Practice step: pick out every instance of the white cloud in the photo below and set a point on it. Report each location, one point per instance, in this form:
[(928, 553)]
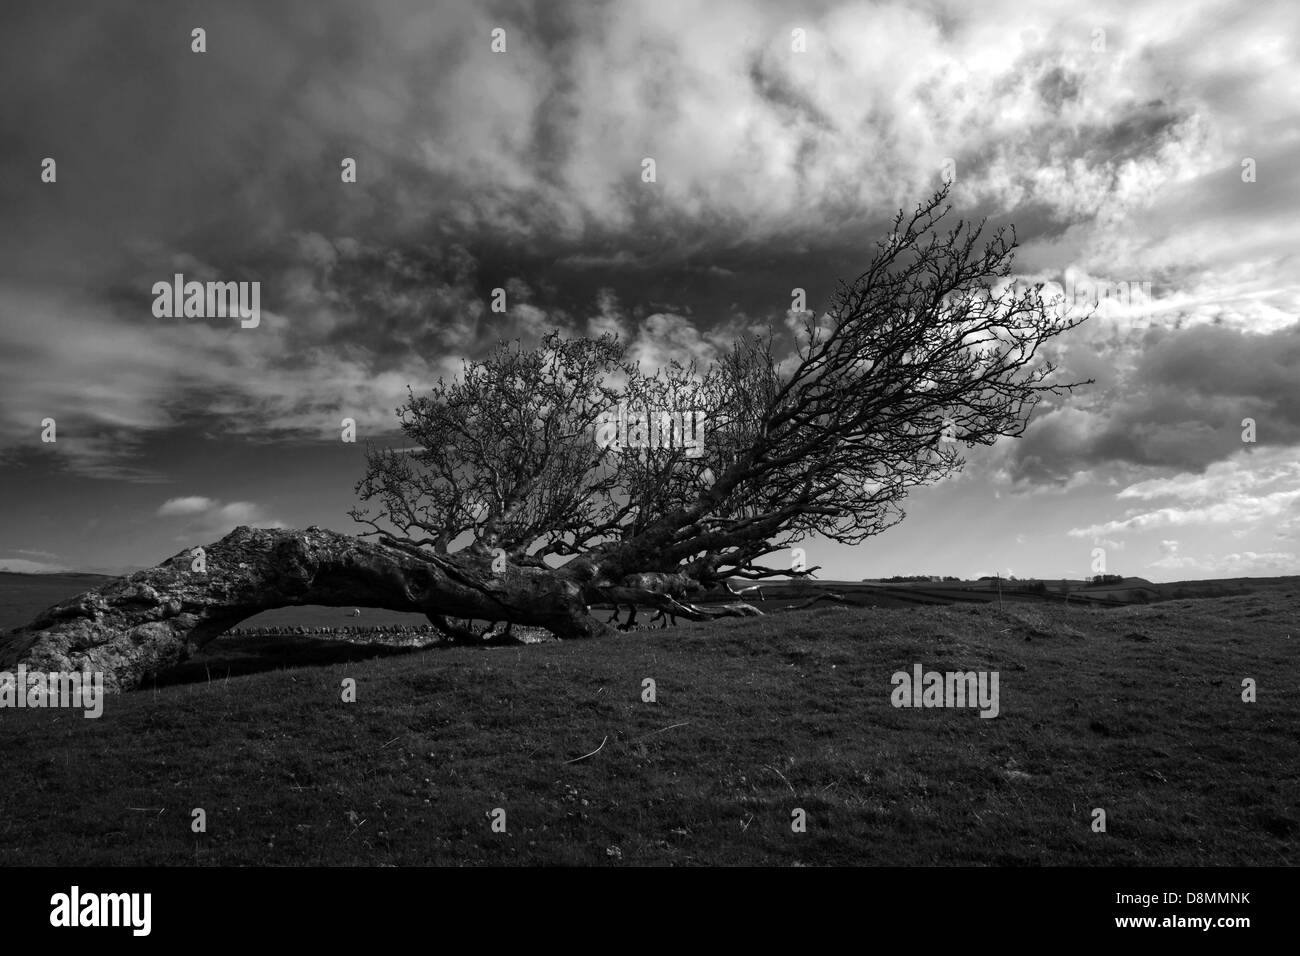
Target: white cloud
[(35, 554), (1239, 512), (663, 338), (210, 518), (1246, 472), (195, 504), (1251, 488), (1237, 563), (22, 566)]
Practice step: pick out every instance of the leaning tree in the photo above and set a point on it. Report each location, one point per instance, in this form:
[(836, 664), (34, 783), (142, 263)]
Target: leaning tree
[(514, 498)]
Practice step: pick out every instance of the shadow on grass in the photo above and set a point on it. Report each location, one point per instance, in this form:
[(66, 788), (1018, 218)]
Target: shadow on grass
[(236, 656)]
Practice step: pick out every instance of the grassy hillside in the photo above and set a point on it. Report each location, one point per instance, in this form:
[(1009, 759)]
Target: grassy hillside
[(1135, 710)]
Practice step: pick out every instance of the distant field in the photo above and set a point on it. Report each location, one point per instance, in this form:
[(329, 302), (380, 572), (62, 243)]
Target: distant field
[(1136, 710), (1128, 591)]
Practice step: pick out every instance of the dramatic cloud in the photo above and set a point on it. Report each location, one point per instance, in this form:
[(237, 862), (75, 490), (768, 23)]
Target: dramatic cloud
[(1243, 492), (1151, 145), (1182, 401)]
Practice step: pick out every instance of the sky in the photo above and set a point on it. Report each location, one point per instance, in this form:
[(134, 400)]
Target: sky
[(1149, 144)]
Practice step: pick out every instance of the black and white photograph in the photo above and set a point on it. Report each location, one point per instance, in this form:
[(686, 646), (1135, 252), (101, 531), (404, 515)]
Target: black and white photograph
[(840, 434)]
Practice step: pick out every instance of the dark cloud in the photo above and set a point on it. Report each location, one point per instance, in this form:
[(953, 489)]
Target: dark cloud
[(521, 170), (1180, 406), (776, 89), (1058, 86)]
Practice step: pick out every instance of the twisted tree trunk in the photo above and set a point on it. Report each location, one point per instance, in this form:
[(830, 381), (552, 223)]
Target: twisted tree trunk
[(155, 618), (149, 621)]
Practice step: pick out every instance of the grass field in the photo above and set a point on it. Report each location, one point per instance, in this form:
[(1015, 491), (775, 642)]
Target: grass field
[(1136, 710)]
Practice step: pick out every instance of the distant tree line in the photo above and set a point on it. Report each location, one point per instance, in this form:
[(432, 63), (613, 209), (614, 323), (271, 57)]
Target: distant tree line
[(1029, 585), (903, 578)]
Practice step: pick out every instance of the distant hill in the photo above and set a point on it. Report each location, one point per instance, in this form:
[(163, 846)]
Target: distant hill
[(1129, 590)]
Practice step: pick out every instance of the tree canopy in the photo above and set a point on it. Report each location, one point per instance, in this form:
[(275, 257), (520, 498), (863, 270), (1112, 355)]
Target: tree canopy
[(930, 348)]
